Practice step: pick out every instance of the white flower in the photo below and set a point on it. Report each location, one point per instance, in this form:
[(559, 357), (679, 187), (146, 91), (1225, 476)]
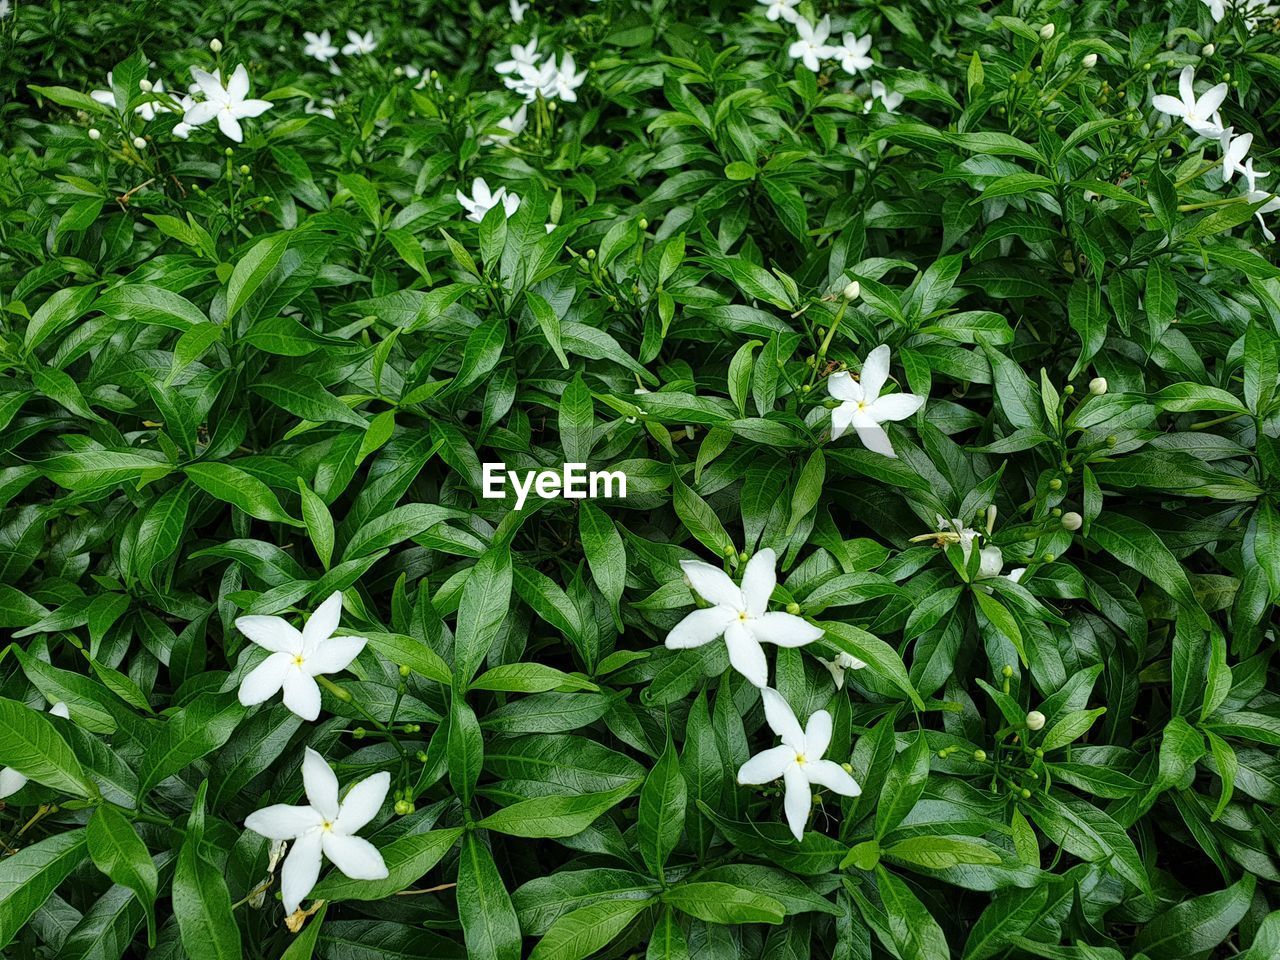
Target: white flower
[(798, 761), (5, 11), (564, 81), (319, 45), (780, 9), (1198, 113), (740, 615), (324, 826), (863, 408), (1217, 9), (1035, 720), (148, 110), (852, 54), (358, 46), (811, 48), (1234, 151), (511, 126), (1254, 195), (106, 97), (889, 98), (182, 129), (11, 781), (322, 109), (482, 201), (517, 10), (297, 657), (526, 56), (228, 104), (837, 667)]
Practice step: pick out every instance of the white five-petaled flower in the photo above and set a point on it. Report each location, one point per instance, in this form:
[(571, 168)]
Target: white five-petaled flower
[(798, 761), (1234, 152), (852, 54), (297, 657), (811, 49), (319, 45), (511, 126), (5, 9), (780, 10), (741, 615), (517, 10), (889, 98), (526, 56), (229, 104), (837, 667), (1198, 113), (1217, 9), (358, 46), (324, 826), (863, 408), (11, 781), (482, 201), (1255, 195)]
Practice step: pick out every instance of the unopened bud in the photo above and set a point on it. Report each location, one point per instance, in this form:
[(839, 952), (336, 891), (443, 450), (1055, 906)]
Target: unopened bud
[(145, 85), (244, 168), (358, 733), (1098, 386), (1006, 671), (95, 133), (1208, 50), (1072, 521), (1035, 720), (404, 670), (139, 143), (793, 608), (1047, 31), (853, 290), (1089, 61), (215, 45), (980, 756), (847, 767), (1055, 484)]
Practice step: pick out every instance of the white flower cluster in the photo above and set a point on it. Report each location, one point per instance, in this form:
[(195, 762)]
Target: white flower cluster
[(228, 104), (811, 46), (322, 47), (532, 76), (1252, 12), (741, 615), (1200, 114), (326, 826)]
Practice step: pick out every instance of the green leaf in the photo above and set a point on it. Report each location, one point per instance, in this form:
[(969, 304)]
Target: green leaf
[(555, 816), (240, 489), (874, 652), (903, 786), (1135, 545), (1197, 925), (489, 923), (723, 903), (408, 860), (31, 744), (252, 269), (586, 930), (29, 877), (202, 906), (662, 811), (119, 852), (484, 606)]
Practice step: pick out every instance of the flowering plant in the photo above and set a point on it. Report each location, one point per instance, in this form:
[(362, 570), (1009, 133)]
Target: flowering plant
[(937, 344)]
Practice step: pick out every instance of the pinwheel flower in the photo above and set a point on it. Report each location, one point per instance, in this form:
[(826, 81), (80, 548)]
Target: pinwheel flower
[(811, 49), (1198, 113), (319, 45), (324, 826), (228, 104), (11, 781), (517, 10), (798, 761), (841, 663), (358, 46), (482, 201), (852, 54), (863, 408), (740, 615), (297, 657)]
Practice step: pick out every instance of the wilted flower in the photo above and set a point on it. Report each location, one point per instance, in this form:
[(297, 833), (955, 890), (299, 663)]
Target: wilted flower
[(482, 201), (228, 104), (863, 408), (319, 45), (740, 615), (357, 45), (811, 49), (326, 827), (297, 657), (1198, 113), (11, 781), (798, 761)]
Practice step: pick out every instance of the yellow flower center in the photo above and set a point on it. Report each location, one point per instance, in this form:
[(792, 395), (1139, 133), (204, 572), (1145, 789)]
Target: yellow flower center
[(742, 615), (800, 759), (327, 826)]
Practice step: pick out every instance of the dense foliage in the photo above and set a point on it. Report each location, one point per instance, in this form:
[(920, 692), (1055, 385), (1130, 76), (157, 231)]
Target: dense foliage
[(962, 318)]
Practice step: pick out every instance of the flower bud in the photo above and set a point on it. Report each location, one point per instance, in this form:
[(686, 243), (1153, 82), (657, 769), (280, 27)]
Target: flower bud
[(1098, 386), (1069, 390), (1025, 794), (1047, 31), (1006, 671), (847, 767), (404, 670), (793, 608), (980, 756), (139, 143), (95, 133), (421, 756), (359, 733), (1035, 720), (1055, 484), (644, 224), (853, 290), (1072, 521), (1208, 50), (1089, 61), (145, 85), (228, 152), (404, 807), (244, 168), (215, 45)]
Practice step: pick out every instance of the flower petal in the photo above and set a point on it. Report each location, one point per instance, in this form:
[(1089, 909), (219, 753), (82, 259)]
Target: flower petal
[(895, 406), (745, 654), (300, 871), (817, 735), (1187, 84), (320, 783), (253, 108), (362, 803), (1170, 105), (758, 581), (1212, 100), (699, 627), (60, 709), (334, 654), (841, 419), (767, 766), (11, 781), (355, 856), (798, 801), (209, 85), (321, 624), (238, 85), (875, 439), (784, 629), (230, 126), (271, 633), (265, 680), (782, 719), (283, 821), (712, 585), (829, 774), (301, 695), (844, 387), (875, 371)]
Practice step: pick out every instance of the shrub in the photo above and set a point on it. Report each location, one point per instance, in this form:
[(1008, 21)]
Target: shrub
[(935, 344)]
